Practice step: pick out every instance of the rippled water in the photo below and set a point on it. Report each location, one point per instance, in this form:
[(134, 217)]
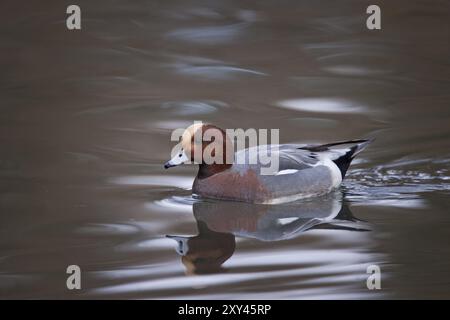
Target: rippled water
[(85, 126)]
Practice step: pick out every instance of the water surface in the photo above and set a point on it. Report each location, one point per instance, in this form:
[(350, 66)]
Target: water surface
[(85, 123)]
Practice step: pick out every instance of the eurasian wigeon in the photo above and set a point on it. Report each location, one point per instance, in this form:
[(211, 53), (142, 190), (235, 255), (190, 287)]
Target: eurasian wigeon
[(302, 171)]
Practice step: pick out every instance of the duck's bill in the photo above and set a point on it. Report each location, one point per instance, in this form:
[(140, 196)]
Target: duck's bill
[(168, 165), (183, 246), (178, 159)]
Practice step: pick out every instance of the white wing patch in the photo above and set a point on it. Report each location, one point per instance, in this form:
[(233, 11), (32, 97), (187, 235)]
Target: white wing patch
[(287, 171), (284, 221), (336, 176)]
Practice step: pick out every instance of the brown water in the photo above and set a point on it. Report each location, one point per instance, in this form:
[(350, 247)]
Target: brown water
[(85, 123)]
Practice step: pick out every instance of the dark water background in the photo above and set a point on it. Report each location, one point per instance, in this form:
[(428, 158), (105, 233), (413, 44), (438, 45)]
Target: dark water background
[(85, 123)]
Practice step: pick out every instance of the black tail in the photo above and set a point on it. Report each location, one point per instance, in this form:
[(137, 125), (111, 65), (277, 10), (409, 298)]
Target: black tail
[(342, 156), (343, 161)]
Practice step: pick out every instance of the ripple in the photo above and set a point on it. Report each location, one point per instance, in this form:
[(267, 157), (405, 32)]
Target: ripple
[(146, 245), (398, 203), (176, 203), (216, 72), (181, 182), (209, 35), (322, 105), (351, 70), (336, 271), (170, 124), (134, 271), (207, 68), (203, 12), (391, 185), (108, 229), (194, 107)]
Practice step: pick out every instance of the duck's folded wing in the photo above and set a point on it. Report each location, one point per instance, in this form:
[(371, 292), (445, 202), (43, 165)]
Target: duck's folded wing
[(294, 156), (295, 159), (278, 157), (287, 173), (290, 172)]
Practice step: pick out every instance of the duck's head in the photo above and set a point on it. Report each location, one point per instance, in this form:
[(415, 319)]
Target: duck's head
[(204, 144)]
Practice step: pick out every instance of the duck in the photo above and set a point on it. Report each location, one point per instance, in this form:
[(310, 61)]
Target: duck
[(302, 171)]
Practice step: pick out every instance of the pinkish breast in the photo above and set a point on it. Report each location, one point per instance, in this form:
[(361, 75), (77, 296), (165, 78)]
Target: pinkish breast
[(229, 185)]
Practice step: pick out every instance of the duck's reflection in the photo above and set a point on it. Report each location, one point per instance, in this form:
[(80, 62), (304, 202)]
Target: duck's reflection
[(219, 222), (205, 252)]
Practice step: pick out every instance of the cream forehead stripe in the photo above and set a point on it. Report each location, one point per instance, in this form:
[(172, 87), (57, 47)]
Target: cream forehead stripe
[(187, 136)]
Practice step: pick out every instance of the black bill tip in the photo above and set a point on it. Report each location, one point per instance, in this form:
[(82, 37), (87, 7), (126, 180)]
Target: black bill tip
[(167, 165)]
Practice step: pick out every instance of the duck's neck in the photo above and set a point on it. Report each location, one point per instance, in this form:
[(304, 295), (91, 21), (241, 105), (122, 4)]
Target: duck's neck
[(208, 170)]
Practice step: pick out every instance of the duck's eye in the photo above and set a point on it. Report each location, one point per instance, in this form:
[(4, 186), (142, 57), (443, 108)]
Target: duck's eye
[(180, 155)]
